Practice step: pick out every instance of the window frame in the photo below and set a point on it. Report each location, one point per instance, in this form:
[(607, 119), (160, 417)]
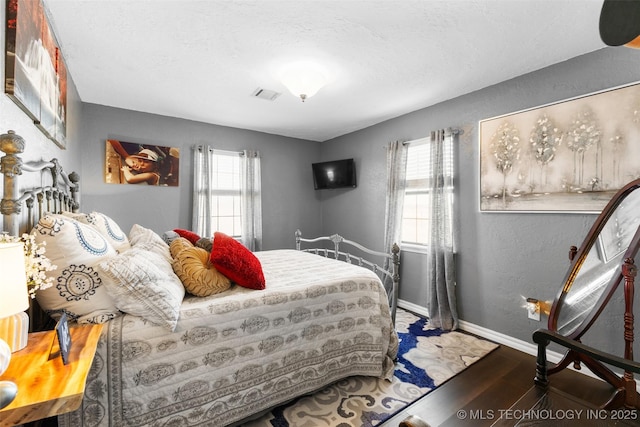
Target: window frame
[(422, 186), (419, 188), (236, 193)]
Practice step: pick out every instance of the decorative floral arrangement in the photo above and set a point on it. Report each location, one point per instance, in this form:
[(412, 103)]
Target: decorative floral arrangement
[(35, 262)]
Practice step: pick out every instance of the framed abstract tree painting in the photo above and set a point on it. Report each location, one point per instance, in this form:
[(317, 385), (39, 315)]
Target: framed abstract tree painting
[(569, 156)]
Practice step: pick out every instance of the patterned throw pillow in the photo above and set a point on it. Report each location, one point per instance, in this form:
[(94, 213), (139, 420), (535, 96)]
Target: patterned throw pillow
[(235, 261), (143, 283), (76, 249), (105, 226), (192, 266)]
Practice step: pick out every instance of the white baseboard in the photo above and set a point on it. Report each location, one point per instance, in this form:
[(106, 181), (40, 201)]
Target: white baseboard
[(418, 309), (523, 346)]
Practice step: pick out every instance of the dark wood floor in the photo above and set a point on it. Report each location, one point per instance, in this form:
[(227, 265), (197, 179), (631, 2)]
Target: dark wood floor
[(488, 389)]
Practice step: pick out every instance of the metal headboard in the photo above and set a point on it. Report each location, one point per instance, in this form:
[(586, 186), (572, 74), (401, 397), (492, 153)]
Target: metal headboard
[(392, 273), (57, 192)]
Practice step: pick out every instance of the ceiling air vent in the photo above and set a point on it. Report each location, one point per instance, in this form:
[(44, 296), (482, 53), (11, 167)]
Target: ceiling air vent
[(269, 95)]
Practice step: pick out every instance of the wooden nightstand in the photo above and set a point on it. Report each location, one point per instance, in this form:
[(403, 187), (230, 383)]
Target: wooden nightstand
[(48, 387)]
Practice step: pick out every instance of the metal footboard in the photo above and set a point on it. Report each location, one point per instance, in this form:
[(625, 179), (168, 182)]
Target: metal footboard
[(389, 271)]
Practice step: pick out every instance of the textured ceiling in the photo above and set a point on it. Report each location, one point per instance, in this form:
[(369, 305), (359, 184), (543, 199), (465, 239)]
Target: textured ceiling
[(202, 60)]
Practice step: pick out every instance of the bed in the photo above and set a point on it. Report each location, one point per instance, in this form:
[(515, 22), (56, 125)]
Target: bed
[(168, 357)]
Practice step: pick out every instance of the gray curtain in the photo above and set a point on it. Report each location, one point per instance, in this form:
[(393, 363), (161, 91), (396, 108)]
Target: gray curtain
[(251, 200), (441, 280), (396, 168), (202, 165)]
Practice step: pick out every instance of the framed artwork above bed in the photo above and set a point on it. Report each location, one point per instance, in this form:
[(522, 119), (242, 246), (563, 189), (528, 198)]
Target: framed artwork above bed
[(35, 71), (145, 164), (571, 156)]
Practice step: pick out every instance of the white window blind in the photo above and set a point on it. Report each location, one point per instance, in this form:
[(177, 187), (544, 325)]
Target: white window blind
[(416, 218), (224, 193)]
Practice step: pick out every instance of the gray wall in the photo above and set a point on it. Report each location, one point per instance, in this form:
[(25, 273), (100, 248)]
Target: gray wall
[(502, 257), (37, 145), (288, 200)]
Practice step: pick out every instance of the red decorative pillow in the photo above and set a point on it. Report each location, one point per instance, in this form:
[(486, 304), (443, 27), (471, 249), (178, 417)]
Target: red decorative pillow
[(236, 262), (189, 235)]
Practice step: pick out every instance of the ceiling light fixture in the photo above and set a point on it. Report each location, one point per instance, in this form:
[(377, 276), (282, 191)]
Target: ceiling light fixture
[(303, 79)]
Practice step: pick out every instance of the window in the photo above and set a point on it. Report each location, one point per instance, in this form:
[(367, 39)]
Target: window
[(224, 194), (416, 214), (227, 194)]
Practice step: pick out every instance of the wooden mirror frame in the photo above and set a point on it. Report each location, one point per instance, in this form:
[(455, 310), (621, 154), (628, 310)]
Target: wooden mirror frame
[(625, 394), (577, 258)]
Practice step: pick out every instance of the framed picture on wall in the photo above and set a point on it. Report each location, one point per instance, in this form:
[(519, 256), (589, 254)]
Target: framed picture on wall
[(35, 72), (143, 164), (569, 156)]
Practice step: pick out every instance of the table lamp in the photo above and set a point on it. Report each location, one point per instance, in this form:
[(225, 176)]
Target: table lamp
[(14, 299)]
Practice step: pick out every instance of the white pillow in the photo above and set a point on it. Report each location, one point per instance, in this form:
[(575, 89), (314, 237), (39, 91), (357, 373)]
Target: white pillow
[(105, 226), (140, 284), (75, 248), (145, 238)]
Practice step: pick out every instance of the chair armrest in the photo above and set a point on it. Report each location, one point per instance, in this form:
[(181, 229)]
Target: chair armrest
[(543, 336)]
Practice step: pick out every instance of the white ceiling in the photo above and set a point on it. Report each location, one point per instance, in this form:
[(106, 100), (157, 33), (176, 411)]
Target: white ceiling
[(202, 59)]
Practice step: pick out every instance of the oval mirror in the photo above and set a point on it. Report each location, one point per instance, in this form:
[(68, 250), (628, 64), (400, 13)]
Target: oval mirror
[(595, 270)]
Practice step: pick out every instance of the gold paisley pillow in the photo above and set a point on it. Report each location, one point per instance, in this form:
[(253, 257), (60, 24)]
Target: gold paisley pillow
[(192, 266)]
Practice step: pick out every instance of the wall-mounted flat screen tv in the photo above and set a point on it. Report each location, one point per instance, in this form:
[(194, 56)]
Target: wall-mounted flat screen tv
[(334, 174)]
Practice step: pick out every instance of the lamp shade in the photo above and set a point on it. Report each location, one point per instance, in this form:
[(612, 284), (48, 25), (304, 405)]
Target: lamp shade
[(13, 280)]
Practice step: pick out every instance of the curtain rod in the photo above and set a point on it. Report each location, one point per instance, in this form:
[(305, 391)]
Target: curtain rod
[(453, 131), (201, 147)]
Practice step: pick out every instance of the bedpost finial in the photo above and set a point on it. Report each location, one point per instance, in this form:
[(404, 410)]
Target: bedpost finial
[(74, 177), (395, 248), (11, 143), (298, 234)]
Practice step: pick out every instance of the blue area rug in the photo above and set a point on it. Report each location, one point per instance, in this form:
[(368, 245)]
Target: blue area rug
[(427, 357)]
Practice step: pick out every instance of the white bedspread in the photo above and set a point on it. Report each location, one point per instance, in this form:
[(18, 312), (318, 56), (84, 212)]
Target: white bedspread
[(243, 351)]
